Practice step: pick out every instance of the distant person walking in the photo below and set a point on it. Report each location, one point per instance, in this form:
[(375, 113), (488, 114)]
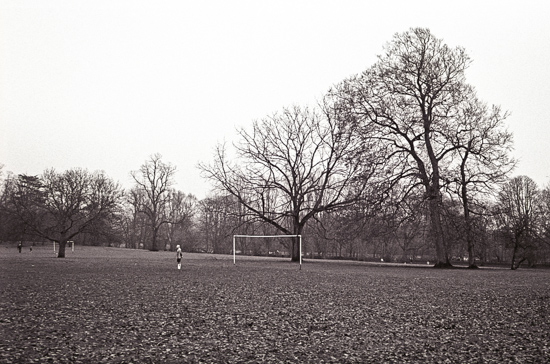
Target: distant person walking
[(19, 246), (179, 255)]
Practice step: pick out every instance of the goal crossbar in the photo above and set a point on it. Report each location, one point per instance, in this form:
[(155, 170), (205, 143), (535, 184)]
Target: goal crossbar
[(267, 236)]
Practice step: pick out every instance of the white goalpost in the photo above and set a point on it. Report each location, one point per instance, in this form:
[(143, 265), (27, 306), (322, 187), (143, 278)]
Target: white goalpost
[(70, 242), (267, 236)]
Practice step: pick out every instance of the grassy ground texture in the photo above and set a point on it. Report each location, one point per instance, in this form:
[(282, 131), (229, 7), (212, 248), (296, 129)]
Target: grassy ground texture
[(107, 305)]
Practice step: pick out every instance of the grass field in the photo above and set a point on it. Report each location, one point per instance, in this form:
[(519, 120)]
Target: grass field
[(107, 305)]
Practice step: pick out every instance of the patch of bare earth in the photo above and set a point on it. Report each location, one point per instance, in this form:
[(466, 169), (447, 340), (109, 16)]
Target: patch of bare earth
[(123, 306)]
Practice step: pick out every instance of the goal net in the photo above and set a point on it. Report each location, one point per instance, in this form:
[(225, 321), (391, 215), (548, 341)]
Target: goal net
[(235, 237)]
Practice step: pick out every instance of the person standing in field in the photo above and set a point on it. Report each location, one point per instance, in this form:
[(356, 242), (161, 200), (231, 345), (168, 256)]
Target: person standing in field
[(179, 255)]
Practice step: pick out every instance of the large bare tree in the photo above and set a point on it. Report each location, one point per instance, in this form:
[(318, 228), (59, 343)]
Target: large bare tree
[(411, 99), (60, 206), (155, 179), (292, 166)]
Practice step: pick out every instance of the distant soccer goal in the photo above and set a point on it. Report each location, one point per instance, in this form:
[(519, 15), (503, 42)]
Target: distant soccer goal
[(266, 236), (69, 242)]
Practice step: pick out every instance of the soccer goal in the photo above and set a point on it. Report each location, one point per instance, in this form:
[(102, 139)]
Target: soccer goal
[(267, 236), (69, 242)]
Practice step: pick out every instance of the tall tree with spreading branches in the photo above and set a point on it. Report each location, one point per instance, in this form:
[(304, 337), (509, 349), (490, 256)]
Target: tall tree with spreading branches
[(292, 166), (60, 206), (412, 99)]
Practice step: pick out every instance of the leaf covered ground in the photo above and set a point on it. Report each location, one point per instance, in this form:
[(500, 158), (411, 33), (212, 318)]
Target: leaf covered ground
[(105, 305)]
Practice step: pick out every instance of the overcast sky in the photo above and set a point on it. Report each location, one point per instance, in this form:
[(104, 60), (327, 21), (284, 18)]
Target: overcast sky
[(103, 85)]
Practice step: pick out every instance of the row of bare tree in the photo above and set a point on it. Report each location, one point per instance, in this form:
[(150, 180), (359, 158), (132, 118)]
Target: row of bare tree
[(89, 208), (75, 204), (402, 161)]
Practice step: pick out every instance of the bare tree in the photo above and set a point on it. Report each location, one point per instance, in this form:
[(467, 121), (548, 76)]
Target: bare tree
[(411, 99), (293, 166), (180, 211), (155, 179), (136, 221), (21, 196), (60, 206), (218, 220), (482, 147), (520, 218)]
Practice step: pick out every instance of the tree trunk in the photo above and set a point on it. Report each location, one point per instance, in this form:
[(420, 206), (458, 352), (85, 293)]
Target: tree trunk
[(294, 253), (154, 243), (514, 256), (469, 237), (295, 256), (62, 245), (442, 260), (466, 210)]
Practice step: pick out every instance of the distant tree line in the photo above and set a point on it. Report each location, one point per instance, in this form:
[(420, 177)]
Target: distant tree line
[(402, 162)]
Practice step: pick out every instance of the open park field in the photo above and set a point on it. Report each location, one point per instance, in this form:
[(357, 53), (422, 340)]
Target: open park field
[(107, 305)]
